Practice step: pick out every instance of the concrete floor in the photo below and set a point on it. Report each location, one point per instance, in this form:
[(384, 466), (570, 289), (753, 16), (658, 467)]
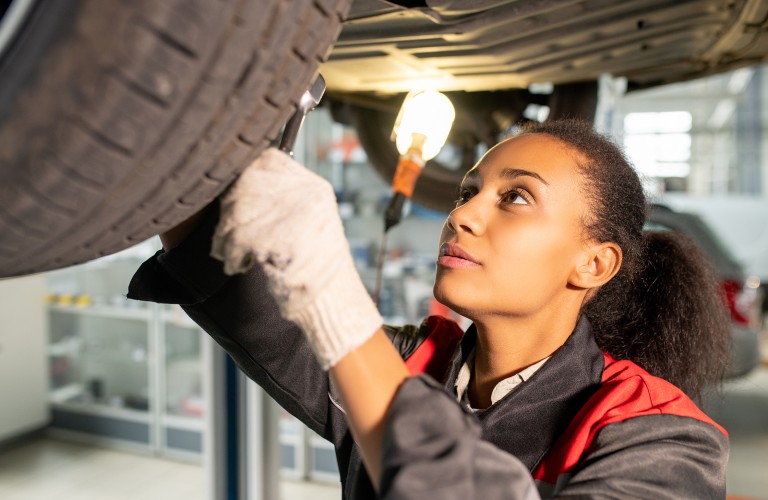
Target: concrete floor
[(44, 468), (743, 411)]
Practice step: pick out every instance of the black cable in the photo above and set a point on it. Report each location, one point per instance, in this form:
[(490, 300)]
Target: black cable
[(394, 210), (380, 268)]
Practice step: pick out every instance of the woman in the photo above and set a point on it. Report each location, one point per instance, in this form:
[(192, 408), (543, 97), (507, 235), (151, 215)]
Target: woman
[(545, 253)]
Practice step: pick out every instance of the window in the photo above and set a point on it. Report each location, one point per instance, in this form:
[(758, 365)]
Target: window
[(659, 144)]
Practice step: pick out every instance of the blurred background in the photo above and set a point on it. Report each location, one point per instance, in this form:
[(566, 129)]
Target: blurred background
[(118, 399)]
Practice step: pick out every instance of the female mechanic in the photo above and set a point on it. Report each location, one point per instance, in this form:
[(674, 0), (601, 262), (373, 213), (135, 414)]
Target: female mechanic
[(589, 336)]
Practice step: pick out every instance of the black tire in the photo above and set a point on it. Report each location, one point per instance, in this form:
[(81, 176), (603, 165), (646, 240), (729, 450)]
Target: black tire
[(437, 185), (119, 119)]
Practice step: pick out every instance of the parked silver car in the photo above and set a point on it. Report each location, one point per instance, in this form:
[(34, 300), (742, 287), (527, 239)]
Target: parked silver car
[(741, 292)]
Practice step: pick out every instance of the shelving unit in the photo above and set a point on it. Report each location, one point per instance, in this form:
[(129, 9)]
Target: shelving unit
[(134, 375), (125, 373)]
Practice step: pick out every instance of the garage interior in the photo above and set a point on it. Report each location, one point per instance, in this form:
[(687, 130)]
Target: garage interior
[(115, 399)]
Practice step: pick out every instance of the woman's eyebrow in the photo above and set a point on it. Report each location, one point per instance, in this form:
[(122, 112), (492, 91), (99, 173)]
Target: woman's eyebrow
[(518, 172), (509, 173)]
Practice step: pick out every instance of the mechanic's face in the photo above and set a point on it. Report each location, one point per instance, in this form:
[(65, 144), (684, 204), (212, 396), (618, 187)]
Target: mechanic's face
[(515, 236)]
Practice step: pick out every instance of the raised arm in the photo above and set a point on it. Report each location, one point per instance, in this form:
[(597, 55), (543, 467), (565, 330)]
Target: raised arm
[(368, 378), (284, 218), (242, 316)]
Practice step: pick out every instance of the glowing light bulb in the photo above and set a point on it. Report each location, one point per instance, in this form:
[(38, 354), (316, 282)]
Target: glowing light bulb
[(421, 129), (424, 121)]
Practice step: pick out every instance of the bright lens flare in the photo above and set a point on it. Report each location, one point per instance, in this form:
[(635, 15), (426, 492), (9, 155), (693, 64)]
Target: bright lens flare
[(427, 113)]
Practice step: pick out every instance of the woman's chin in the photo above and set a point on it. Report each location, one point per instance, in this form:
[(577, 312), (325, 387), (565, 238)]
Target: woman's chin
[(452, 302)]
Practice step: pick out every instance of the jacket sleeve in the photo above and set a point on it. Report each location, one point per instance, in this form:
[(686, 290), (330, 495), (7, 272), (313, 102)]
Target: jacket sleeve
[(653, 456), (432, 448), (241, 316), (660, 456)]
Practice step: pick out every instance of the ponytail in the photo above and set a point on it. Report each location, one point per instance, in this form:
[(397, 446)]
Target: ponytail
[(669, 317), (663, 309)]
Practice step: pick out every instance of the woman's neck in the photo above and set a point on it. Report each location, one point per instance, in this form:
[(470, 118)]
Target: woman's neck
[(505, 346)]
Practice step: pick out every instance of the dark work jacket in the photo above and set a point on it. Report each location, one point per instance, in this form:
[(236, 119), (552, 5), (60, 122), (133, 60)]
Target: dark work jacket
[(584, 425)]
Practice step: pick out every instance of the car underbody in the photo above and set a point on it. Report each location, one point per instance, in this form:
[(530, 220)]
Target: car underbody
[(391, 47)]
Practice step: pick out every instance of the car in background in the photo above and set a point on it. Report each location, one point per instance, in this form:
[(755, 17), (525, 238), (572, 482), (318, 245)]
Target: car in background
[(740, 221), (741, 291)]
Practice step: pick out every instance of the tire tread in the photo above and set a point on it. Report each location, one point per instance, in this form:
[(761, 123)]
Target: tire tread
[(177, 112)]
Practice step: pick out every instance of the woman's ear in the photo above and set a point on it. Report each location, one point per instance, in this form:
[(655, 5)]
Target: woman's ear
[(600, 262)]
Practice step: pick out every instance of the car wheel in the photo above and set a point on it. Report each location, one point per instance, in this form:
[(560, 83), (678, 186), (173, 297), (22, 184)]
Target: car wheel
[(476, 129), (119, 119)]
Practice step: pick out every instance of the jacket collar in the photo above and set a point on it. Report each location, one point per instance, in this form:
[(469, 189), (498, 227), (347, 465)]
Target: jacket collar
[(528, 421)]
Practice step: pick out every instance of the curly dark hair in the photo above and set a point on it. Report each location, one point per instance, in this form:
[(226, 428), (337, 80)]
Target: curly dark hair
[(663, 310)]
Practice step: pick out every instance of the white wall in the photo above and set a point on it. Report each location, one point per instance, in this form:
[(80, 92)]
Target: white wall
[(23, 360)]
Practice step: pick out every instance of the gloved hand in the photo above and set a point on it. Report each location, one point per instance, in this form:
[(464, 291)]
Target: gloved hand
[(284, 217)]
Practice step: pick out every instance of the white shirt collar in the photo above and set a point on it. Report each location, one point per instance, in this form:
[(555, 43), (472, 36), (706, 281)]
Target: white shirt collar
[(501, 389)]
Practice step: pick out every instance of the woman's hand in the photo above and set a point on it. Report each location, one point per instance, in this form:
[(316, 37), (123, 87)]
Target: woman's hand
[(284, 217)]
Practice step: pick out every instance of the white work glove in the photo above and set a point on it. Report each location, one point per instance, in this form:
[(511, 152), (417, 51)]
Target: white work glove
[(284, 217)]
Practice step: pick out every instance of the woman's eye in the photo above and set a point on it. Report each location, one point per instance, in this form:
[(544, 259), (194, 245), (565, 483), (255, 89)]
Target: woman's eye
[(463, 196), (515, 197)]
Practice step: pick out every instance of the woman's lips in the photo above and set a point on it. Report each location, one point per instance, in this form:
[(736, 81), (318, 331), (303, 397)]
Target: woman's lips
[(454, 257)]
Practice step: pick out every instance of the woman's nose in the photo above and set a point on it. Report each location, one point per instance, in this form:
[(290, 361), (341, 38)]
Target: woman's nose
[(467, 218)]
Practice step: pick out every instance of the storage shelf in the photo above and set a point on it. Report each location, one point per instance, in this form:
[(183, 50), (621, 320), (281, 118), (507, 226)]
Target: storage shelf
[(116, 312), (65, 348), (103, 411), (118, 367), (179, 422), (62, 349)]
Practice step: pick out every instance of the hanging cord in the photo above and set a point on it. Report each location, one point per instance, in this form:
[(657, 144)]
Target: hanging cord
[(380, 267)]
